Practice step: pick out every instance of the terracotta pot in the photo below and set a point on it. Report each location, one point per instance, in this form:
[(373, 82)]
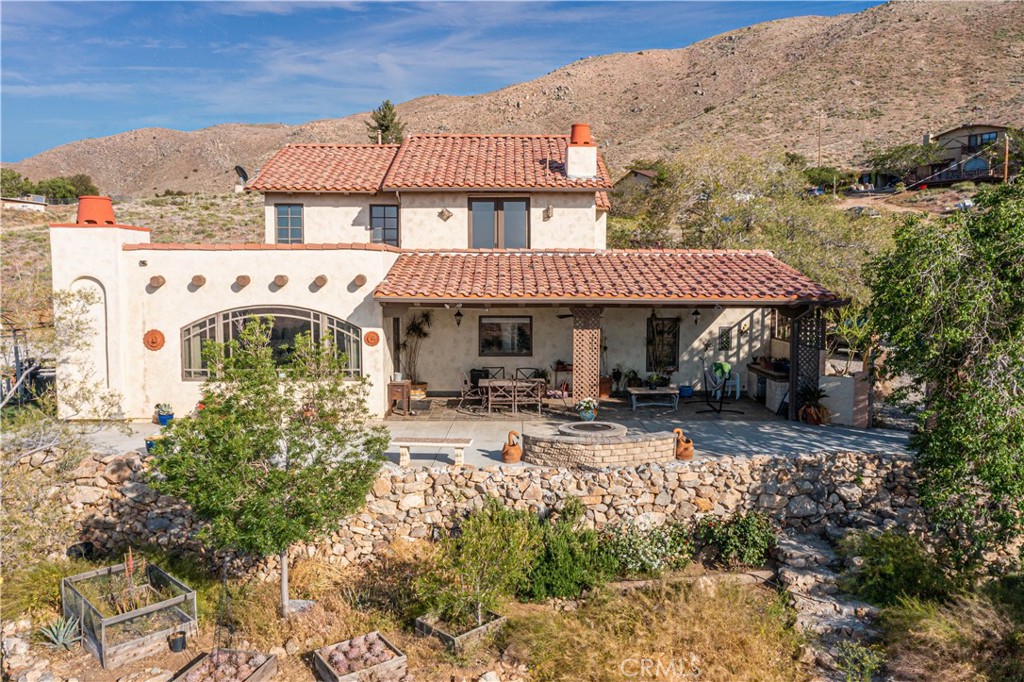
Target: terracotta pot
[(512, 451), (684, 445), (605, 387)]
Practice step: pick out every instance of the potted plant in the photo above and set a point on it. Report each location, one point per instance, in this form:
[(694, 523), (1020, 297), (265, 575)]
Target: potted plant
[(633, 379), (617, 376), (563, 366), (586, 408), (416, 332), (152, 441), (811, 410), (164, 413)]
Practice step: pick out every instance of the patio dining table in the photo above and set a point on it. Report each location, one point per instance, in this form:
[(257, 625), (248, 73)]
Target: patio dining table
[(513, 392)]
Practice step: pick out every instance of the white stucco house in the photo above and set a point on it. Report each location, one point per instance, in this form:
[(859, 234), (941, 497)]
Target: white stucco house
[(502, 236)]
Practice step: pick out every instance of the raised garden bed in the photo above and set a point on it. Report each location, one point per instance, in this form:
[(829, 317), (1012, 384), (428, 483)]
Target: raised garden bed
[(367, 657), (229, 664), (431, 626), (160, 605)]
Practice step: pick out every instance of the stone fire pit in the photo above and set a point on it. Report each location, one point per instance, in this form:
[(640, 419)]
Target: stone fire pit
[(597, 444)]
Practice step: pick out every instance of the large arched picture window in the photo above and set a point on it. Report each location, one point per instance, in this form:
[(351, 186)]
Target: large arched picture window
[(288, 323)]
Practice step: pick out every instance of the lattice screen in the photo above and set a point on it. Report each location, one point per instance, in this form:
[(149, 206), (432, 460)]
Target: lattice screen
[(808, 339), (586, 352)]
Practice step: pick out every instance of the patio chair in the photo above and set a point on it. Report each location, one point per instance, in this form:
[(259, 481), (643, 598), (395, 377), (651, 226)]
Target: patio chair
[(561, 393), (469, 392), (715, 386), (495, 372), (526, 372)]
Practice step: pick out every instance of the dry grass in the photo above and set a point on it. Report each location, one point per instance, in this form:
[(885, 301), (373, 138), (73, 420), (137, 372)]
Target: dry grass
[(970, 639), (736, 633)]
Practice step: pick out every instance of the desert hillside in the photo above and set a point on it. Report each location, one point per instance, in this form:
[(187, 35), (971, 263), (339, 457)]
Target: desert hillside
[(883, 75)]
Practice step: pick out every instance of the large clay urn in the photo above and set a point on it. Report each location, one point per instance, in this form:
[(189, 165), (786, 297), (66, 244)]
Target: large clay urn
[(684, 446), (512, 451)]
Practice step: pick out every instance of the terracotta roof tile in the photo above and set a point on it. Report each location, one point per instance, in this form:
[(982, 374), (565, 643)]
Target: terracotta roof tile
[(325, 168), (604, 202), (344, 246), (678, 276), (487, 162)]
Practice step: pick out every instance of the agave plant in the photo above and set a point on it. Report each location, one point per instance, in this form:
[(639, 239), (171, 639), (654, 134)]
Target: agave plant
[(62, 633)]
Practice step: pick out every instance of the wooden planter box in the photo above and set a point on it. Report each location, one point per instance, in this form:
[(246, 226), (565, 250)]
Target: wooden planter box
[(428, 626), (261, 674), (125, 637), (394, 669)]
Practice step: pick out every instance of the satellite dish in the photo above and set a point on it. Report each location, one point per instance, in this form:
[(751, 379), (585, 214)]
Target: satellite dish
[(242, 175)]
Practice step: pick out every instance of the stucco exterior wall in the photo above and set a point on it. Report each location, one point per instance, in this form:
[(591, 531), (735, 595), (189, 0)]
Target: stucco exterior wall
[(452, 350), (332, 218), (132, 307)]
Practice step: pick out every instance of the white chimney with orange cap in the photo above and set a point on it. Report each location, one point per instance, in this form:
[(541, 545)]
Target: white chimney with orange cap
[(581, 154)]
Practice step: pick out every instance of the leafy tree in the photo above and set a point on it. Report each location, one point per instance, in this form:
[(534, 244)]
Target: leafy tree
[(488, 559), (827, 177), (56, 188), (901, 160), (12, 184), (83, 185), (947, 303), (278, 454), (384, 121)]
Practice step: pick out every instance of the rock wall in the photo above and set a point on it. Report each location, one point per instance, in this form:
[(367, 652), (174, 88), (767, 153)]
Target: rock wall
[(823, 492)]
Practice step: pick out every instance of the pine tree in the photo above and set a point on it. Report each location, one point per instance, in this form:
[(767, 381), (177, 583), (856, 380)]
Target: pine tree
[(384, 121)]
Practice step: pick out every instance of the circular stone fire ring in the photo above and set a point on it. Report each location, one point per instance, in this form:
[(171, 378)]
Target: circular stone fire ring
[(592, 429)]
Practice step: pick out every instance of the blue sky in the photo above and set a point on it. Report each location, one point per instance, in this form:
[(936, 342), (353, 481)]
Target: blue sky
[(72, 70)]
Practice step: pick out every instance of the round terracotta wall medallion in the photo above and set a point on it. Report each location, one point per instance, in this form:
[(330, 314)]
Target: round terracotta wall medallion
[(371, 338), (153, 339)]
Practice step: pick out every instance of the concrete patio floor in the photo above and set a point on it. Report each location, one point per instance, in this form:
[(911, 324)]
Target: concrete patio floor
[(745, 435)]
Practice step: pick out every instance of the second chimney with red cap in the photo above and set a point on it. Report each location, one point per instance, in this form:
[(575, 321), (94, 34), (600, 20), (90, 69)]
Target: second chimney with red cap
[(581, 155)]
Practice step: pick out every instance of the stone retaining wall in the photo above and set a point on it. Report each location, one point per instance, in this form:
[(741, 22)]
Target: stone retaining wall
[(630, 450), (805, 493)]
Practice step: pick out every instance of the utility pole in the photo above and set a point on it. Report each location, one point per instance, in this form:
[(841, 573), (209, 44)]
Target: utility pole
[(820, 116), (1006, 157)]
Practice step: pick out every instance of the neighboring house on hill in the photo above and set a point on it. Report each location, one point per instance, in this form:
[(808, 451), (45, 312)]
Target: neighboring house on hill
[(27, 202), (501, 236), (636, 179), (971, 152)]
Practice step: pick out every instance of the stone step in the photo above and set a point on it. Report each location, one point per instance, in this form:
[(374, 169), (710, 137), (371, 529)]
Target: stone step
[(802, 551), (817, 581)]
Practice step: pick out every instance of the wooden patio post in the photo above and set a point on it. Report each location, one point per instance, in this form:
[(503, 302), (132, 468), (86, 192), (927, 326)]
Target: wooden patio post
[(586, 353)]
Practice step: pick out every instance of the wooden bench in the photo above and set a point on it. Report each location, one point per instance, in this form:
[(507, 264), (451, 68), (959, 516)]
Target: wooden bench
[(669, 397), (457, 444)]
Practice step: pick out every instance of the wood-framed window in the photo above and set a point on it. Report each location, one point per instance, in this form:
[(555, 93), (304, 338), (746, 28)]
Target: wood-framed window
[(288, 219), (384, 224), (506, 336), (499, 223), (662, 344)]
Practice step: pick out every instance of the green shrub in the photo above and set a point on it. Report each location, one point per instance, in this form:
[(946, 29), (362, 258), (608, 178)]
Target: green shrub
[(964, 187), (487, 559), (633, 551), (890, 565), (570, 560), (859, 662), (743, 539)]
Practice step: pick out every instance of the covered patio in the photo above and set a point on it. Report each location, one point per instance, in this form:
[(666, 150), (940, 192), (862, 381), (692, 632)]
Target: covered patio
[(577, 320)]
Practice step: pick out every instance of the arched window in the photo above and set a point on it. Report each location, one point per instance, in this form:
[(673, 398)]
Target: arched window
[(288, 323), (975, 165)]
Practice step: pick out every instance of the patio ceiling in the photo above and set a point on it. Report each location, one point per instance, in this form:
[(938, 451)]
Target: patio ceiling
[(664, 278)]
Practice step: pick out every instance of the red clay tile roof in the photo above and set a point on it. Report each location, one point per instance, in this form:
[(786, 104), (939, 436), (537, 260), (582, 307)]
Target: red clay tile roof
[(325, 168), (257, 246), (735, 277), (487, 162), (604, 203)]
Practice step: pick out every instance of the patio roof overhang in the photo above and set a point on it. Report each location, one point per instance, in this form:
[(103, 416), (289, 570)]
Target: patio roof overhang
[(653, 278)]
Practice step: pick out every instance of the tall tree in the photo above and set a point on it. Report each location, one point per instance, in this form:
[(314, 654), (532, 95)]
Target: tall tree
[(385, 123), (947, 304), (901, 160), (278, 453)]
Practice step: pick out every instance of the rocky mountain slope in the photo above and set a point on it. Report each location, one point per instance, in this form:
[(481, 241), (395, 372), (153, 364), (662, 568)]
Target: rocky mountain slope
[(884, 75)]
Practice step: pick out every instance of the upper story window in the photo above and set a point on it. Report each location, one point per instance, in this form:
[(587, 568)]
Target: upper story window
[(982, 139), (499, 223), (289, 223), (384, 224)]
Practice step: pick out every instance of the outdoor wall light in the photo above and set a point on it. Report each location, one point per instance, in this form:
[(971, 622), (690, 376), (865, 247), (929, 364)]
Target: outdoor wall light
[(444, 214), (458, 318), (549, 212), (696, 316), (744, 328)]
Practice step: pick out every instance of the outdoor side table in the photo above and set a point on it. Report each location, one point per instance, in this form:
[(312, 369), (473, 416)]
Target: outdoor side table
[(400, 392), (668, 397)]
